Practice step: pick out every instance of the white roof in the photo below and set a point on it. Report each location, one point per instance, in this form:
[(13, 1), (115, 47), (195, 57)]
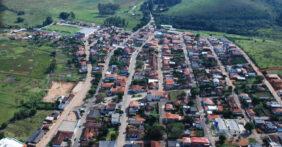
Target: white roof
[(212, 108), (10, 142), (152, 80), (67, 126)]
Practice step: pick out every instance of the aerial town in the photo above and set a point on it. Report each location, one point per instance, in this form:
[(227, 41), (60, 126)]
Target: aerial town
[(159, 87)]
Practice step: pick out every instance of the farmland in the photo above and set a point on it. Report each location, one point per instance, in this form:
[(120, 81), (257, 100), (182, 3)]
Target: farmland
[(84, 10)]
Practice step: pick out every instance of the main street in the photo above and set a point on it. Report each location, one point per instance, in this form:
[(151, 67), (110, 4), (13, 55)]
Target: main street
[(126, 97)]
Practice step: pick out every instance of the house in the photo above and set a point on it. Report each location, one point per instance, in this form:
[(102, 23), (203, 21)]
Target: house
[(115, 119), (35, 137), (107, 144), (169, 117), (90, 131), (64, 101), (64, 135), (234, 107), (133, 107), (137, 120), (169, 107), (134, 133), (195, 141), (156, 95)]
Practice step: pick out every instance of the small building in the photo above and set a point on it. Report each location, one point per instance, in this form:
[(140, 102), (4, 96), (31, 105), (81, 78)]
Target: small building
[(115, 119)]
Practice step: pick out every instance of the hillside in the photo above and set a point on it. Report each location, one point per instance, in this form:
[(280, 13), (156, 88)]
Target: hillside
[(35, 11), (233, 16)]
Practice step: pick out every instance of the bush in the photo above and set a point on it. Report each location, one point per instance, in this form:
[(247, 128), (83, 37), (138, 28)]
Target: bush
[(47, 21), (19, 20), (66, 15)]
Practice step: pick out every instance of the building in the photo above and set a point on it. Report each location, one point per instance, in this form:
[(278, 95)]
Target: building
[(229, 127), (10, 142), (63, 138)]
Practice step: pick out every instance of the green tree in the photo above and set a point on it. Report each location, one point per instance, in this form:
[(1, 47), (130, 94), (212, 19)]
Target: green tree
[(47, 21), (155, 132), (249, 126), (222, 139)]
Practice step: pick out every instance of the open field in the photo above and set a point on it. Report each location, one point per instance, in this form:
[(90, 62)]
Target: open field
[(66, 30), (23, 129), (266, 53), (23, 73), (84, 10)]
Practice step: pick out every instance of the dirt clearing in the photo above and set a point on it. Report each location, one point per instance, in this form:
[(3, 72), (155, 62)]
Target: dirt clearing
[(58, 89)]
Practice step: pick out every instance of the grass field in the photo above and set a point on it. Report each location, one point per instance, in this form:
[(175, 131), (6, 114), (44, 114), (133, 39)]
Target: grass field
[(23, 129), (23, 72), (66, 30), (266, 53), (85, 10)]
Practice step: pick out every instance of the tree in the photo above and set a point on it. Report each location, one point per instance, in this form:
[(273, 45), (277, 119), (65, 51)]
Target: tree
[(2, 135), (47, 21), (3, 125), (195, 91), (115, 21), (19, 20), (175, 130), (107, 9), (64, 15), (222, 139), (155, 132), (249, 126), (51, 67)]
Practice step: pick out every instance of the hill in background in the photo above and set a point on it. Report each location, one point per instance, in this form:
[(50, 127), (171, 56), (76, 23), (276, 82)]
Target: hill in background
[(34, 12), (232, 16)]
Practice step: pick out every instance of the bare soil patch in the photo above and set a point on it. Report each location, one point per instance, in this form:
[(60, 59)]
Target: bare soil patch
[(58, 89)]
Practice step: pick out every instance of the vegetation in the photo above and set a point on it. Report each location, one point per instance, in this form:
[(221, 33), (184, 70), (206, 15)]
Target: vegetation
[(84, 10), (66, 30), (107, 9), (22, 129), (115, 21), (232, 16), (67, 16)]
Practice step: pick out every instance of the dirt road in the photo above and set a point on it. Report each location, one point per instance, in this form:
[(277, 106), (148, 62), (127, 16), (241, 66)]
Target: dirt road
[(75, 102)]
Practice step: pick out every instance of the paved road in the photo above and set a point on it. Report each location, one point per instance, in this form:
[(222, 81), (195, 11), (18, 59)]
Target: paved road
[(184, 47), (160, 71), (75, 102), (235, 96)]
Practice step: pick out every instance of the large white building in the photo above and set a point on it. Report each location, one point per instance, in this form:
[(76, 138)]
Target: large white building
[(229, 127), (10, 142)]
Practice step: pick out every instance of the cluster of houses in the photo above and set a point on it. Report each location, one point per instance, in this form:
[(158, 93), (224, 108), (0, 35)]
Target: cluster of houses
[(171, 105), (258, 106), (175, 69), (276, 83), (207, 72)]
